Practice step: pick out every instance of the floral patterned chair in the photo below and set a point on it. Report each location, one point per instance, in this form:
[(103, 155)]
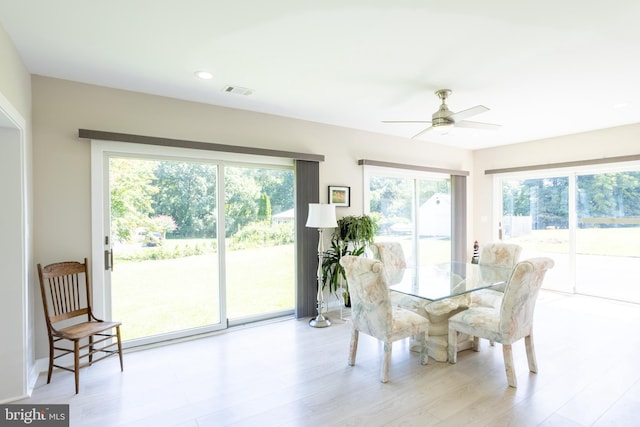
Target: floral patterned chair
[(495, 254), (512, 321), (373, 314), (392, 256)]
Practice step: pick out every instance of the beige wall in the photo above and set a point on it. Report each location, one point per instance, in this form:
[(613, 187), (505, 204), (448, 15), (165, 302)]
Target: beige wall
[(601, 144), (62, 160), (15, 80), (16, 257)]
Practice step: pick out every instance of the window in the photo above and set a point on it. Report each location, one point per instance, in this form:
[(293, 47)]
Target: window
[(586, 219), (414, 208), (535, 215)]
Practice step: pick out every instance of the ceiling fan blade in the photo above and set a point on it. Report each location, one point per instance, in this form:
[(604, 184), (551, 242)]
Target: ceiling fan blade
[(461, 115), (406, 121), (476, 125), (422, 132)]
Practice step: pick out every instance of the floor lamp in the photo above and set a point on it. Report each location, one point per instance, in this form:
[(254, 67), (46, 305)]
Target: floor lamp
[(321, 217)]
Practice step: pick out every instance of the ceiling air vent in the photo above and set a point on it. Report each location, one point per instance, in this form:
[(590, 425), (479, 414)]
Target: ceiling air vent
[(237, 90)]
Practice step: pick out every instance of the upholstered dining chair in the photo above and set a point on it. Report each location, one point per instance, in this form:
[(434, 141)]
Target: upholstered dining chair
[(392, 256), (495, 254), (512, 321), (373, 314), (66, 296)]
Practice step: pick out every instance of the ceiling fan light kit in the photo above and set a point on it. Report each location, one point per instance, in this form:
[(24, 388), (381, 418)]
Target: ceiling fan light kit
[(444, 119), (442, 126)]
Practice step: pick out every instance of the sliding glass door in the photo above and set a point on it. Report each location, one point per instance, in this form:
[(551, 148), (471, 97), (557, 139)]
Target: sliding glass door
[(165, 278), (260, 270), (587, 221), (187, 245), (608, 235), (413, 209), (536, 217)]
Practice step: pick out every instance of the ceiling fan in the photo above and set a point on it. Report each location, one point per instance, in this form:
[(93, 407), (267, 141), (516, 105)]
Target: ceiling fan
[(444, 119)]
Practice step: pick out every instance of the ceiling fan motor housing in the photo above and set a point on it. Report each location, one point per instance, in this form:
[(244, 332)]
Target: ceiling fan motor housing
[(441, 117), (441, 122)]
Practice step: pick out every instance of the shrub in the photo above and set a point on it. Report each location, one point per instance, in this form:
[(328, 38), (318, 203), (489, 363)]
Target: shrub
[(261, 234), (179, 250)]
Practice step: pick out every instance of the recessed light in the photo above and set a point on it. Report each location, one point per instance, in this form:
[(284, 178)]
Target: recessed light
[(620, 105), (204, 75)]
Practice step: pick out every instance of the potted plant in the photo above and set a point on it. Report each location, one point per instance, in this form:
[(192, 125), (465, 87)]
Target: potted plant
[(351, 237)]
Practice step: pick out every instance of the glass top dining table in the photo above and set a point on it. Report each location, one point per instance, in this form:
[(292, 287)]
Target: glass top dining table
[(435, 282)]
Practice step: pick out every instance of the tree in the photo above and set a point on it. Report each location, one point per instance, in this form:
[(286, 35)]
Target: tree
[(264, 211), (608, 195), (187, 193), (278, 184), (392, 197), (131, 195), (183, 196), (546, 200), (242, 194), (163, 224)]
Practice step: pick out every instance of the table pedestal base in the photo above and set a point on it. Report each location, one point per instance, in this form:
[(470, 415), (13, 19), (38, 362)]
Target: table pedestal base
[(438, 313)]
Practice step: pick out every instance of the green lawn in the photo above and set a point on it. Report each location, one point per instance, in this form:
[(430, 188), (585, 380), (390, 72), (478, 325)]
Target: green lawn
[(590, 241), (157, 296)]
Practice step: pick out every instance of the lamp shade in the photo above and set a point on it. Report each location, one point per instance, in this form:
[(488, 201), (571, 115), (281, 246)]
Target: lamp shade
[(322, 216)]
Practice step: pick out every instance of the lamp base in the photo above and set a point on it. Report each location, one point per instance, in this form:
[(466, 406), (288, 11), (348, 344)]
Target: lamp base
[(319, 322)]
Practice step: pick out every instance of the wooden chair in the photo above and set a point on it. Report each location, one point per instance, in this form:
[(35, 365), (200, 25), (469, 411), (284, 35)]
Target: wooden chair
[(512, 321), (66, 296), (373, 314)]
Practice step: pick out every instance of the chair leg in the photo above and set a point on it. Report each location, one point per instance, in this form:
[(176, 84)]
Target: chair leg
[(531, 353), (508, 365), (119, 347), (90, 349), (386, 362), (476, 344), (353, 347), (424, 354), (51, 353), (452, 346), (76, 364)]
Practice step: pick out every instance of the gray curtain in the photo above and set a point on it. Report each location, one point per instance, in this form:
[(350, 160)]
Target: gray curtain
[(307, 191)]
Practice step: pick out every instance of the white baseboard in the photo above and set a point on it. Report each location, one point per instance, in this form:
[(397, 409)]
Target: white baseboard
[(42, 365)]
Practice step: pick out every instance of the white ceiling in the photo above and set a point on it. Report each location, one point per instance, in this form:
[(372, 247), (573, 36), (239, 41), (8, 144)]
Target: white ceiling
[(544, 68)]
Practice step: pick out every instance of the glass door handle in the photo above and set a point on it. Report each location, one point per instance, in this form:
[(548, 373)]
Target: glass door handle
[(108, 259)]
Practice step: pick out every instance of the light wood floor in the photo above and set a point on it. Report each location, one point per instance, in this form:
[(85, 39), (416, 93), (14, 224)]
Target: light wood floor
[(288, 374)]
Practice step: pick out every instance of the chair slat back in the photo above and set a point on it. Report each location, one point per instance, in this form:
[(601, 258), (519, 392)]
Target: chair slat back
[(65, 290)]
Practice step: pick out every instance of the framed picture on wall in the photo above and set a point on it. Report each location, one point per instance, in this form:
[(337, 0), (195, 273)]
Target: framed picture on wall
[(339, 195)]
